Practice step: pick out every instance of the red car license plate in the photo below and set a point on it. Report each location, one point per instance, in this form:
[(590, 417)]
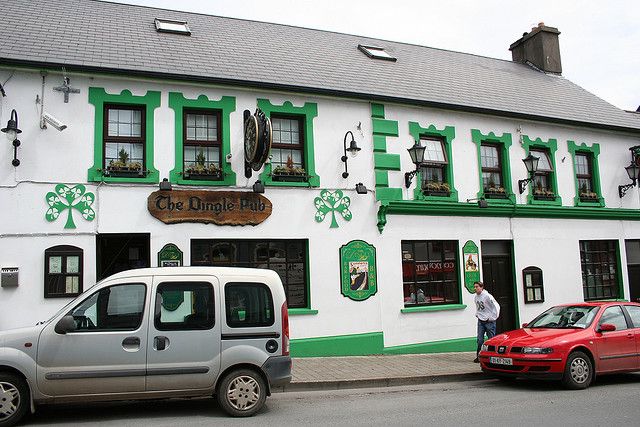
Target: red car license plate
[(502, 361)]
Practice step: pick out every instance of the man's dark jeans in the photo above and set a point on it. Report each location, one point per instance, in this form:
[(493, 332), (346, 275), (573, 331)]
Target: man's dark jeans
[(485, 327)]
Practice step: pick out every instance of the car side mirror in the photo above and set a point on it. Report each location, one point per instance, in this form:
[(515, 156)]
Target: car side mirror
[(606, 327), (524, 325), (66, 324)]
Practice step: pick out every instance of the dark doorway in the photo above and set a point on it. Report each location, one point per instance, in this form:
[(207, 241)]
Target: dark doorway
[(497, 274), (119, 252), (633, 268)]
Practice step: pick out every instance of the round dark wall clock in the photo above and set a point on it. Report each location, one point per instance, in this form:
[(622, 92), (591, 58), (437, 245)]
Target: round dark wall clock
[(264, 141), (250, 138)]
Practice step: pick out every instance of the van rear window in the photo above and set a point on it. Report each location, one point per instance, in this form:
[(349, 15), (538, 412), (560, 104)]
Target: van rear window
[(248, 305)]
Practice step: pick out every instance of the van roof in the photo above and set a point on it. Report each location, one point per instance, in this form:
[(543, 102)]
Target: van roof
[(195, 271)]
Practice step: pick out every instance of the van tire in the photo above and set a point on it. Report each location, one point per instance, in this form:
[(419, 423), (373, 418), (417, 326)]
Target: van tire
[(14, 399), (242, 393)]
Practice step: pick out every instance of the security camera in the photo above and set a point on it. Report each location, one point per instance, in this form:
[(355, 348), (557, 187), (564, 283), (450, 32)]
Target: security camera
[(48, 118)]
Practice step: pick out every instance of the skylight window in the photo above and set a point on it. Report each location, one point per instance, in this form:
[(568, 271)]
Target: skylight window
[(169, 26), (376, 52)]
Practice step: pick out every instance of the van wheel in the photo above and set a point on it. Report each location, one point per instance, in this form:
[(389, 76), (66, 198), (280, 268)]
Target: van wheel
[(242, 393), (14, 399), (578, 371)]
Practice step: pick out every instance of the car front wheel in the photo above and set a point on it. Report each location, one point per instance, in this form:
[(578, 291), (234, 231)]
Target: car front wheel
[(578, 371), (14, 399), (242, 393)]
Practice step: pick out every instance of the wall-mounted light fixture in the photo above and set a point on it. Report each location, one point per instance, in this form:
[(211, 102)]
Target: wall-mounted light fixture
[(258, 187), (531, 163), (165, 185), (632, 170), (12, 132), (417, 157), (482, 203), (353, 150), (360, 188)]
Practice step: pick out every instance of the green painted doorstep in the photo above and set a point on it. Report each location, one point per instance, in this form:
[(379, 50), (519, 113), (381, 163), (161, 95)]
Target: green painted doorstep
[(372, 344)]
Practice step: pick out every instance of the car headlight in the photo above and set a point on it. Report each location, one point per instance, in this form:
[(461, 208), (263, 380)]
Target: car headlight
[(484, 347), (537, 350)]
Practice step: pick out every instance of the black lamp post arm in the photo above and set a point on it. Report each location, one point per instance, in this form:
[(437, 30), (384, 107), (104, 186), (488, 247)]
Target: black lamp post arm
[(344, 157)]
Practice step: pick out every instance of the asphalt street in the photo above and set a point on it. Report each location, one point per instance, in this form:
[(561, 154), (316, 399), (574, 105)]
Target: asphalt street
[(610, 401)]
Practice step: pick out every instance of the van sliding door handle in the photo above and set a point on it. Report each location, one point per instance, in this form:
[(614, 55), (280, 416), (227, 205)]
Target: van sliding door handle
[(131, 344), (160, 343)]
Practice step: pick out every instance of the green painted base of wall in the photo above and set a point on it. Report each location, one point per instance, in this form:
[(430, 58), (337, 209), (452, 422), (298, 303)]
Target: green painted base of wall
[(371, 344)]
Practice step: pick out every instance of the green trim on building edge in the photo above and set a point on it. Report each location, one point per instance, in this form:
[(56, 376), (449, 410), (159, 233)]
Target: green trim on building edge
[(98, 97), (226, 105), (384, 162), (385, 127), (301, 311), (504, 142), (447, 134), (377, 111), (552, 146), (308, 112), (444, 307), (595, 151), (411, 207), (372, 344)]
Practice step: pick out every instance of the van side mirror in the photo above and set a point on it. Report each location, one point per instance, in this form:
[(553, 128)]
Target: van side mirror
[(606, 327), (66, 324)]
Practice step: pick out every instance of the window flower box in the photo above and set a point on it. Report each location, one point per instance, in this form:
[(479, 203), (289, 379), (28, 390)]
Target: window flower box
[(588, 196), (441, 189), (543, 194), (201, 172), (118, 168), (495, 193), (289, 174)]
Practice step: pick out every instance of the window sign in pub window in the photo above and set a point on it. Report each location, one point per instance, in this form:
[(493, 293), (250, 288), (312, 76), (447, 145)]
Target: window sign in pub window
[(533, 285), (62, 271), (288, 258), (429, 272)]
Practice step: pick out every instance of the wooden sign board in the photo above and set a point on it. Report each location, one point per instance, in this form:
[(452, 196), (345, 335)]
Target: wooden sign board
[(209, 207)]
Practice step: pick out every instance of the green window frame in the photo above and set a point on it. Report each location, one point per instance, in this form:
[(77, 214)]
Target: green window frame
[(503, 143), (224, 106), (446, 136), (592, 153), (550, 146), (306, 113), (601, 269), (99, 98)]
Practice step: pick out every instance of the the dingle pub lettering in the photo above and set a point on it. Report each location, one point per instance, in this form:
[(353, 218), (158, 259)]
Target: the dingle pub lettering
[(217, 207)]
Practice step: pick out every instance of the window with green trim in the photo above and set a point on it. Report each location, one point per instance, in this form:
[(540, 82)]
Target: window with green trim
[(584, 175), (492, 175), (434, 168), (429, 272), (202, 145), (292, 160), (288, 258), (543, 178)]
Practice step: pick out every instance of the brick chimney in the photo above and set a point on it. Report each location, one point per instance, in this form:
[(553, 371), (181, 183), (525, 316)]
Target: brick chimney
[(539, 48)]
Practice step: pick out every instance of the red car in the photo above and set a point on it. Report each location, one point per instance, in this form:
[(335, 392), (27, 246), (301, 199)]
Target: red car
[(572, 343)]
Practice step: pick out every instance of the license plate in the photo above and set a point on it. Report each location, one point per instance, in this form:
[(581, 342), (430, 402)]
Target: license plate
[(502, 361)]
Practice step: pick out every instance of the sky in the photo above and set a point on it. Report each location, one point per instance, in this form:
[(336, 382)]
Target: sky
[(599, 40)]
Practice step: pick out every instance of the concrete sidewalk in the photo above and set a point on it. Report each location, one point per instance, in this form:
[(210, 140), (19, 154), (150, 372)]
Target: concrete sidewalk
[(332, 373)]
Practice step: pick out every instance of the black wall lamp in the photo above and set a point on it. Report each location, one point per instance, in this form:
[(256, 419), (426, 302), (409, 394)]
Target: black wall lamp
[(353, 150), (531, 163), (258, 187), (361, 188), (12, 132), (417, 157), (632, 170), (482, 202), (165, 185)]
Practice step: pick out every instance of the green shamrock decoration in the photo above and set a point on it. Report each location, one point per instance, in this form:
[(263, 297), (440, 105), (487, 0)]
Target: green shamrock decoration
[(70, 198), (332, 202)]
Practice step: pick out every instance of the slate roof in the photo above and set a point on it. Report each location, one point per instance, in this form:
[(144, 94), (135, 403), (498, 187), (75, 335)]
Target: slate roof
[(94, 35)]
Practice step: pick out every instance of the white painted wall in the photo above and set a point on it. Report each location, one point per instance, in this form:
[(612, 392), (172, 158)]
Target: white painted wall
[(49, 157)]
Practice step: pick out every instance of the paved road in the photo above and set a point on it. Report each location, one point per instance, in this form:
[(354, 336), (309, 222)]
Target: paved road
[(613, 400)]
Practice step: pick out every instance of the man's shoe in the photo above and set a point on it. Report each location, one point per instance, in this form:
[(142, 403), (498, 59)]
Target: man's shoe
[(476, 360)]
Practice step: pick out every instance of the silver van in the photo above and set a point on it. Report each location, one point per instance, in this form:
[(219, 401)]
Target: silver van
[(154, 333)]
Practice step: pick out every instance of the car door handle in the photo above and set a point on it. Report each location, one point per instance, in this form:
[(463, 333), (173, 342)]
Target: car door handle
[(131, 344), (160, 343)]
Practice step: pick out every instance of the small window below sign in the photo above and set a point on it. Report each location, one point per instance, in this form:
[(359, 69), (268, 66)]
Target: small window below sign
[(169, 26), (376, 52), (533, 286)]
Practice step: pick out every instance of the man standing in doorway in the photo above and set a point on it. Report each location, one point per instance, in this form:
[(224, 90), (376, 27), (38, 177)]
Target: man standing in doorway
[(487, 312)]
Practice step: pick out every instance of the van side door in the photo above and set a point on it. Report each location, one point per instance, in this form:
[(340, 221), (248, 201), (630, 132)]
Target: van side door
[(183, 352), (106, 353)]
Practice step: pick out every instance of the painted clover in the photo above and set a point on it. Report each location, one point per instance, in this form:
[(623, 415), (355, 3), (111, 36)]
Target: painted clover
[(332, 202), (70, 198)]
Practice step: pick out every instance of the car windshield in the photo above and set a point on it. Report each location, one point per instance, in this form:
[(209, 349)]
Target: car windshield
[(565, 317)]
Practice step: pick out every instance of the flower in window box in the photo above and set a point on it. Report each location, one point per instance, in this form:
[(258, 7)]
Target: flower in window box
[(543, 193), (588, 195), (495, 192), (289, 172), (435, 188)]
